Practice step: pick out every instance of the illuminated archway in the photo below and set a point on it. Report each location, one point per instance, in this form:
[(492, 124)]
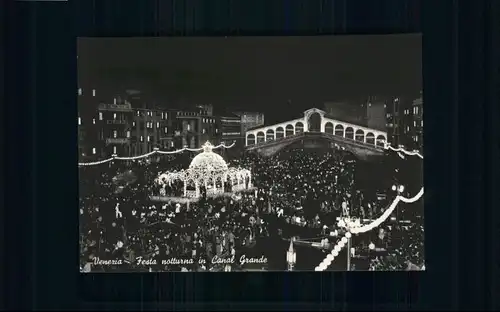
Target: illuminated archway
[(349, 133), (329, 128), (370, 138), (380, 141), (360, 135), (269, 135), (280, 133), (261, 137), (314, 122), (339, 130), (251, 139), (299, 127)]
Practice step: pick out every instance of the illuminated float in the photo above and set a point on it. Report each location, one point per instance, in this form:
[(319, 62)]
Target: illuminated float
[(209, 171)]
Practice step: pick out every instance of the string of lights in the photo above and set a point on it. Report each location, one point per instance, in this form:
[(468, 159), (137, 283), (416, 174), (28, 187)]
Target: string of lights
[(156, 151), (334, 253), (401, 151), (377, 222)]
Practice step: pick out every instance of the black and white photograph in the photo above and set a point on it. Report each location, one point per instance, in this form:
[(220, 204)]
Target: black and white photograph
[(231, 154)]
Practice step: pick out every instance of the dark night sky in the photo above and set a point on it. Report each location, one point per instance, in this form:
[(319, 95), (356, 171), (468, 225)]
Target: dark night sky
[(253, 73)]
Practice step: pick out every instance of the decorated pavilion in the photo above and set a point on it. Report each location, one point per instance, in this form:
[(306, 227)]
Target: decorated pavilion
[(207, 170)]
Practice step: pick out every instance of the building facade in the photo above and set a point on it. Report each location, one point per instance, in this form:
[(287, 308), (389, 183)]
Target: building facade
[(230, 127), (399, 122), (114, 125), (375, 113), (127, 129), (418, 123), (88, 127), (187, 129), (209, 130), (150, 130), (250, 120)]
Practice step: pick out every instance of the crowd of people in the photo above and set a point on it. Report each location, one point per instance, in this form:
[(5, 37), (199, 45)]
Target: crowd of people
[(298, 193)]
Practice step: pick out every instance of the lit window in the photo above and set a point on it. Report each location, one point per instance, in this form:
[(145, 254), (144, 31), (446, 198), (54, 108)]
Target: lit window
[(80, 91), (114, 149), (416, 110), (93, 151), (216, 130), (188, 127), (133, 123), (166, 115), (166, 130), (150, 114), (162, 115), (93, 121), (157, 124), (100, 115), (416, 138), (204, 131), (93, 92), (79, 121), (115, 134), (421, 123), (369, 104), (414, 123), (114, 116), (142, 139), (172, 143), (407, 128), (148, 138), (128, 134), (385, 106)]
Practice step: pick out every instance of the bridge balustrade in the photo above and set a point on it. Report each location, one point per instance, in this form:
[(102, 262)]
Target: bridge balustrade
[(359, 140)]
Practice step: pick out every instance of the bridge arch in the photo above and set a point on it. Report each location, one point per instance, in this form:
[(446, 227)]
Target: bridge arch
[(269, 135), (261, 137), (370, 138), (289, 130), (339, 130), (380, 141), (360, 135), (329, 128), (251, 139), (299, 127), (349, 133), (280, 133), (314, 122)]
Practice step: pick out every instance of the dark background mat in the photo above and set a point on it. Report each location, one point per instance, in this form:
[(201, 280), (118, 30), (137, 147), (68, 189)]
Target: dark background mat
[(461, 95)]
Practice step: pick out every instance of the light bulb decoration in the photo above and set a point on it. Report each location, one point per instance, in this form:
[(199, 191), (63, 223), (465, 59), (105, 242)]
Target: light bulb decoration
[(377, 222), (155, 151)]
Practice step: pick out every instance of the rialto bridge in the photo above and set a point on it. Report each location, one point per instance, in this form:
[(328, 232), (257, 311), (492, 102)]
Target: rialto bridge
[(312, 128)]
